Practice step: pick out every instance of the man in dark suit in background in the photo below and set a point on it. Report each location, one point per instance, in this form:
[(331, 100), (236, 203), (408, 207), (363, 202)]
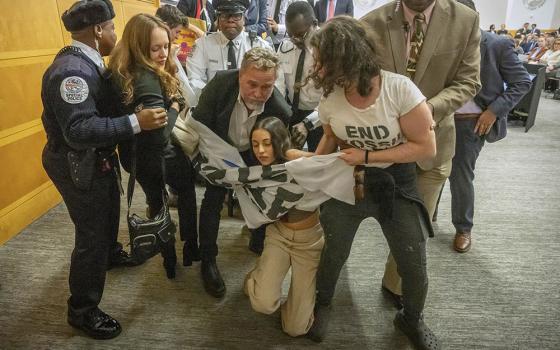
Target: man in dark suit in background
[(483, 118), (326, 9), (230, 105)]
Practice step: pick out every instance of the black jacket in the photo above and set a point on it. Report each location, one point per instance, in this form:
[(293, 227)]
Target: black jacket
[(218, 99)]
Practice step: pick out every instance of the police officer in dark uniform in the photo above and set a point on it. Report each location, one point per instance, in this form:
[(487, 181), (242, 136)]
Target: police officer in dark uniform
[(80, 160)]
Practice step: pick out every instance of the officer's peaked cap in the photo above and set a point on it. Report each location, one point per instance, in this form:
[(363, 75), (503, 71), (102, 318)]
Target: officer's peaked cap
[(231, 6), (87, 13)]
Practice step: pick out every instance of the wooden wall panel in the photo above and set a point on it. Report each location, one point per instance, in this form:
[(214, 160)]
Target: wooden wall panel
[(25, 171), (21, 81), (29, 28), (32, 34)]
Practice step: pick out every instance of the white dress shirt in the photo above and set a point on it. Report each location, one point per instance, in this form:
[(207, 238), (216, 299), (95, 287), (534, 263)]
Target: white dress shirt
[(210, 55), (241, 123)]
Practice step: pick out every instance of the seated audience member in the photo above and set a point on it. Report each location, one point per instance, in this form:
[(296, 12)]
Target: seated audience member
[(517, 46), (492, 29), (222, 50), (552, 62), (529, 43), (145, 76), (502, 30), (295, 241), (534, 56), (199, 9)]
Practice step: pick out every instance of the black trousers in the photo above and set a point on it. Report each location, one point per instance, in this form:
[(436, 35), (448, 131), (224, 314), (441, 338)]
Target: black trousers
[(405, 230), (210, 209), (181, 176), (95, 214)]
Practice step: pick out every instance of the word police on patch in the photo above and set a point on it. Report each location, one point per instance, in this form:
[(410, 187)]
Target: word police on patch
[(74, 90)]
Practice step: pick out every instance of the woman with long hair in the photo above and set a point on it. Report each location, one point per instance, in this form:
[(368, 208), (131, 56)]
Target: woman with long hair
[(295, 241), (144, 76), (383, 125)]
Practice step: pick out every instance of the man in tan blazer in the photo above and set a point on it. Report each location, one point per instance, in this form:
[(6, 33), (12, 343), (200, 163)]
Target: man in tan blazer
[(447, 72)]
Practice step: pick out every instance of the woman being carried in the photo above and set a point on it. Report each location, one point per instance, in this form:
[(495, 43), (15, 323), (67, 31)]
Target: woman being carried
[(296, 241)]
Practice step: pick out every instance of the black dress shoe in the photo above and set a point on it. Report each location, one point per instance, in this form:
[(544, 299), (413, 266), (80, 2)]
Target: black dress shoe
[(190, 253), (121, 258), (395, 299), (256, 242), (417, 332), (96, 324), (322, 316), (256, 245), (211, 278)]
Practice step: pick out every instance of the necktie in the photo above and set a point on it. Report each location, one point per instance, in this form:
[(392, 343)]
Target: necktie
[(331, 9), (198, 9), (277, 11), (416, 45), (297, 82), (232, 64)]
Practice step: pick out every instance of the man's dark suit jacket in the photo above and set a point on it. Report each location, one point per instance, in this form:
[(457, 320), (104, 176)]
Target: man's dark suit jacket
[(499, 65), (342, 7), (218, 99), (188, 7)]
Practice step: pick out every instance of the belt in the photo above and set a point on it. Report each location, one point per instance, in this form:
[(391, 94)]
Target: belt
[(59, 147), (467, 115)]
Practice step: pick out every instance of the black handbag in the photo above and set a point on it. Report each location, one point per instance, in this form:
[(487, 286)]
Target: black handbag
[(147, 236)]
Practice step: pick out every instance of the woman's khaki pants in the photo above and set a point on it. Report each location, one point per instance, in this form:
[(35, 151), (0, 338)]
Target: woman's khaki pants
[(285, 248)]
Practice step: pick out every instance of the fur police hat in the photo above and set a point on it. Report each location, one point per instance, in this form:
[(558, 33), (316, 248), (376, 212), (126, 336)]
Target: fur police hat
[(87, 13), (231, 6)]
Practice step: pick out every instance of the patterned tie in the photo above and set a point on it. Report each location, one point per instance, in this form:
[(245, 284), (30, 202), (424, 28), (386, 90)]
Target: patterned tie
[(232, 64), (416, 45), (331, 9)]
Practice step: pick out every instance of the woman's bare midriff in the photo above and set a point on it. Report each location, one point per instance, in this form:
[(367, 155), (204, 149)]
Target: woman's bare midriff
[(299, 219)]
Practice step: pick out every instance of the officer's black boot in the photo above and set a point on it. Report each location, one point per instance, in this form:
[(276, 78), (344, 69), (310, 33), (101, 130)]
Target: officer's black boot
[(96, 324), (211, 278), (190, 253)]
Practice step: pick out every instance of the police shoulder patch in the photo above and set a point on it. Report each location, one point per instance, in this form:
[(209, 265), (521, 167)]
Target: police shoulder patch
[(74, 90)]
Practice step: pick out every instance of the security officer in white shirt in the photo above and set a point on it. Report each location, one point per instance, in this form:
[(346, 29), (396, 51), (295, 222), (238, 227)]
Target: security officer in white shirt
[(296, 61), (277, 20), (225, 49)]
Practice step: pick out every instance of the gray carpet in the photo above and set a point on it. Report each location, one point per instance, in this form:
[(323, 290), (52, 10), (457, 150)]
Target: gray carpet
[(503, 294)]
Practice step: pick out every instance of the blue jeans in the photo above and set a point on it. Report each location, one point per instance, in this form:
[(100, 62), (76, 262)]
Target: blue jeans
[(467, 149)]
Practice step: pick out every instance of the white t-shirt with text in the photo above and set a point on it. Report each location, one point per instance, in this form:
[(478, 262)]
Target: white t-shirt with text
[(377, 126)]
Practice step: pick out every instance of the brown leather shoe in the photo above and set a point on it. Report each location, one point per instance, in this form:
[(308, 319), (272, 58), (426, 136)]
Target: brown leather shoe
[(462, 243)]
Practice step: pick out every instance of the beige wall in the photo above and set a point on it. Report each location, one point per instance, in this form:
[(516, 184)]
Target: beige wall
[(32, 34)]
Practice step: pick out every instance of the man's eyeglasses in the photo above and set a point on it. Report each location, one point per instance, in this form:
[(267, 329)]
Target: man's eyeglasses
[(226, 16), (298, 36)]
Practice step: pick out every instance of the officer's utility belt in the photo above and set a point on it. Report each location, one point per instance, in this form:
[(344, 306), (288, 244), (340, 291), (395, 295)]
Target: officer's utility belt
[(85, 165)]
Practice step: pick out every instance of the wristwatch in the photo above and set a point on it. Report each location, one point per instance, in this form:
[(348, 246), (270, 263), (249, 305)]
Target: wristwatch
[(308, 124)]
